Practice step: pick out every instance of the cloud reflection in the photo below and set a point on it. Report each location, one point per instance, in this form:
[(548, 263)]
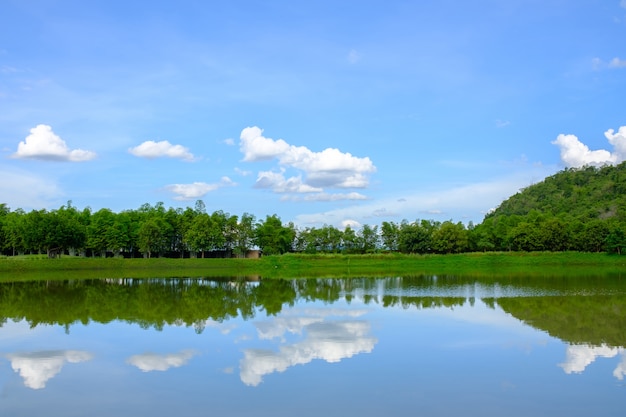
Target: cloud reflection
[(36, 368), (331, 341), (149, 362), (578, 357)]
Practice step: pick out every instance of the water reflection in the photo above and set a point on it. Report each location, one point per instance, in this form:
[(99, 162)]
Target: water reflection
[(158, 347), (323, 338), (149, 362), (579, 357), (36, 368)]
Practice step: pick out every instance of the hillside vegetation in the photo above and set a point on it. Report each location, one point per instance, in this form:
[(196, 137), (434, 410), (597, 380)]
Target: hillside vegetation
[(577, 209)]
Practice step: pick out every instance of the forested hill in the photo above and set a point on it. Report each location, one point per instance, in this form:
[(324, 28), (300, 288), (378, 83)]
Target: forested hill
[(586, 193), (576, 209)]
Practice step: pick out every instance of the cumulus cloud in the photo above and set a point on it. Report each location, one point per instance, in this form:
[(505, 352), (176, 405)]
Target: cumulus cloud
[(36, 368), (578, 357), (277, 182), (43, 143), (151, 150), (574, 153), (197, 190), (149, 362), (329, 168)]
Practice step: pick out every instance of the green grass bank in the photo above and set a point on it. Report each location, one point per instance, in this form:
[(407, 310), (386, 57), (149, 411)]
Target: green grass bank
[(314, 266)]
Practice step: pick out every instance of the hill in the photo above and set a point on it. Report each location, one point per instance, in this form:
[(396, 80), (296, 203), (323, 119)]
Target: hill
[(575, 209), (587, 192)]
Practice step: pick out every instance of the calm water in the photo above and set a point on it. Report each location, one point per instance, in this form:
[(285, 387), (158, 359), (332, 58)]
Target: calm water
[(431, 346)]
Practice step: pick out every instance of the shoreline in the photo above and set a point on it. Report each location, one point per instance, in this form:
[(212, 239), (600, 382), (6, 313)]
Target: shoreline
[(315, 266)]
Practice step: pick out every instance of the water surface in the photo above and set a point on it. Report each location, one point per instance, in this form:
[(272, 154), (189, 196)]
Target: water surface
[(428, 345)]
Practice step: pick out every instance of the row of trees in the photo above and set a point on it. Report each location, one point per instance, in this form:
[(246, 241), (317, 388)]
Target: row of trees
[(148, 231), (157, 231)]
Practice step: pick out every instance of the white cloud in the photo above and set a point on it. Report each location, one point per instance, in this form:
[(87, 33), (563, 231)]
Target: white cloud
[(574, 153), (38, 367), (618, 140), (352, 224), (329, 168), (277, 182), (150, 149), (255, 147), (623, 3), (149, 362), (43, 143), (197, 190), (578, 357), (617, 63)]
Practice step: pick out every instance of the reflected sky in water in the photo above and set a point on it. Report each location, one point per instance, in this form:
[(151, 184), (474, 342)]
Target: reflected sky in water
[(349, 356)]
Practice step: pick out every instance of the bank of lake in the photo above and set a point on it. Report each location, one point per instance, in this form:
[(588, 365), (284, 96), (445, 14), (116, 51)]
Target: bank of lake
[(315, 266)]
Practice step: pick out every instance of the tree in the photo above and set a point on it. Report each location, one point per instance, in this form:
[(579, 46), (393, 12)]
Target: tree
[(616, 240), (450, 238), (101, 232), (390, 233), (273, 238), (368, 238), (152, 236), (13, 229), (349, 240), (204, 234), (245, 234), (416, 237)]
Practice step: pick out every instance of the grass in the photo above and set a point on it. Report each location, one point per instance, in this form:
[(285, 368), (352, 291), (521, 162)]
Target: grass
[(311, 266)]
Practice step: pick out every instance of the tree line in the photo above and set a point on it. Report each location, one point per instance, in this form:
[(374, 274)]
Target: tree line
[(192, 232), (580, 209)]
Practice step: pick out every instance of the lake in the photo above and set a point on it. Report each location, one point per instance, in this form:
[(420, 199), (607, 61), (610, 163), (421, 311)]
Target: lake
[(423, 345)]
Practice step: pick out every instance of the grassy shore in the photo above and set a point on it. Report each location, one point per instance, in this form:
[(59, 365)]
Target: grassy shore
[(310, 266)]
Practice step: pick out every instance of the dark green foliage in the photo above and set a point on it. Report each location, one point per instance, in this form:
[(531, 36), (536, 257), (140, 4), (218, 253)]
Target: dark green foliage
[(576, 209)]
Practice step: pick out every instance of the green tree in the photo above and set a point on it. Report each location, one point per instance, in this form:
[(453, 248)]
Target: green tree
[(273, 237), (416, 237), (101, 232), (450, 238), (368, 238), (245, 234), (390, 234), (13, 230), (152, 236)]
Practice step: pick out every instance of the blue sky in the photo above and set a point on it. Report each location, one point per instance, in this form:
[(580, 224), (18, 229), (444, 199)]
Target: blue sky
[(325, 112)]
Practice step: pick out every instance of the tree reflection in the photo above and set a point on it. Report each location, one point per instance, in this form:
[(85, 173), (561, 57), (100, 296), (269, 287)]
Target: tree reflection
[(572, 310)]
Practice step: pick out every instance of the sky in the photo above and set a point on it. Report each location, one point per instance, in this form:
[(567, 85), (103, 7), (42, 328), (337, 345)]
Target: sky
[(322, 113)]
